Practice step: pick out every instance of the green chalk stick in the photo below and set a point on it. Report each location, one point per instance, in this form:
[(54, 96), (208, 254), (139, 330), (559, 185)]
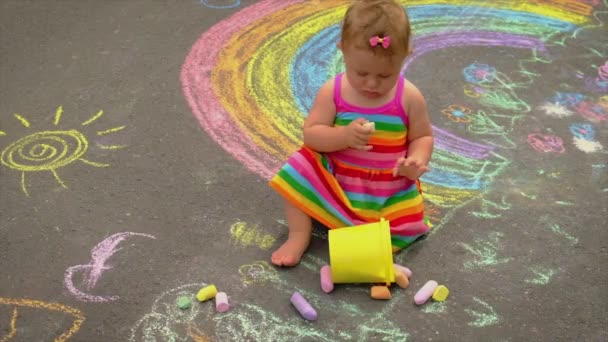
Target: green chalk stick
[(184, 302)]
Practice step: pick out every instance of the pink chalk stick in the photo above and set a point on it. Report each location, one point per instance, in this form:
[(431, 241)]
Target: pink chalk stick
[(405, 270), (303, 307), (221, 302), (425, 292), (327, 285)]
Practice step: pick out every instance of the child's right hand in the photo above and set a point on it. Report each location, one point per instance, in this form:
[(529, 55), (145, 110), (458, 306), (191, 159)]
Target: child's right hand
[(357, 135), (410, 168)]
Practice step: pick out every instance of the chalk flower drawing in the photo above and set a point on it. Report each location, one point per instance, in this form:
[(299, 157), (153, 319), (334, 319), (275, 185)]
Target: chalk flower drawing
[(473, 90), (51, 150), (603, 101), (546, 143), (602, 72), (599, 83), (584, 135), (259, 272), (567, 99), (556, 110), (591, 111), (582, 131), (478, 73), (457, 113), (587, 146)]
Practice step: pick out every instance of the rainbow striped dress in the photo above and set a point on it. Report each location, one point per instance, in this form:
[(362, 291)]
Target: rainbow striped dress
[(352, 187)]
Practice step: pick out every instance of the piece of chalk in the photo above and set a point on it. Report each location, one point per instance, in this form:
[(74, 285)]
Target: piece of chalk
[(327, 285), (303, 307), (441, 293), (221, 302), (184, 302), (380, 292), (206, 293), (407, 271), (401, 279), (371, 125), (425, 292)]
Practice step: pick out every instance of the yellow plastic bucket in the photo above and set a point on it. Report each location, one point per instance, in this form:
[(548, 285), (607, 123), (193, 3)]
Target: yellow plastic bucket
[(362, 254)]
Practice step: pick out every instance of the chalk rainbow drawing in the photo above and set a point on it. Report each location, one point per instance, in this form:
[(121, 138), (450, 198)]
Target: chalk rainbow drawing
[(18, 304), (252, 77), (93, 270), (51, 150)]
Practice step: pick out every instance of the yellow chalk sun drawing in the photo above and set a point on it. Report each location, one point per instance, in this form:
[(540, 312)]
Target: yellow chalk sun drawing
[(51, 150)]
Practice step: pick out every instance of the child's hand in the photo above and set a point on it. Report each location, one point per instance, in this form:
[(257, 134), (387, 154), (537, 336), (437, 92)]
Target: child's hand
[(410, 168), (357, 134)]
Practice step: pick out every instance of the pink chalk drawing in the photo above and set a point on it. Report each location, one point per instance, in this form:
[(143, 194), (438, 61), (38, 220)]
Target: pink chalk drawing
[(602, 72), (546, 143), (592, 111), (93, 270)]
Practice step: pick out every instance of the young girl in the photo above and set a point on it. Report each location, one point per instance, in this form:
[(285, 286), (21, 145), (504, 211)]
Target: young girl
[(349, 172)]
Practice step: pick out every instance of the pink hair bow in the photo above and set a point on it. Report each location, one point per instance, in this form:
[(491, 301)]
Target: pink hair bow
[(384, 41)]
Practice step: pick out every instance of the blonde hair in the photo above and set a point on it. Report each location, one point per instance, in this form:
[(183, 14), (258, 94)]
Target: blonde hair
[(365, 19)]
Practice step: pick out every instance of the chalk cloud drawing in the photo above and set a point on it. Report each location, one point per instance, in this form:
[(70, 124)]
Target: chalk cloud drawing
[(98, 265), (51, 150)]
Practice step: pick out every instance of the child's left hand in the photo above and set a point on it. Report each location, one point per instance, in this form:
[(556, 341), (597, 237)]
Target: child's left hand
[(409, 167)]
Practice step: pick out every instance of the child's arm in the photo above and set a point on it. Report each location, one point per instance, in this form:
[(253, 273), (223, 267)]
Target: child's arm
[(419, 135), (321, 135)]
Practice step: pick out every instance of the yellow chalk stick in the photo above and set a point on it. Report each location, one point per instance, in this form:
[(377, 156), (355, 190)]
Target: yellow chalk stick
[(401, 280), (206, 293), (441, 293), (380, 292)]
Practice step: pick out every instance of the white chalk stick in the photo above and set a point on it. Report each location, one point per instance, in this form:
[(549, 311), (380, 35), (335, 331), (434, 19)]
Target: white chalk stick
[(221, 302), (425, 292), (327, 285)]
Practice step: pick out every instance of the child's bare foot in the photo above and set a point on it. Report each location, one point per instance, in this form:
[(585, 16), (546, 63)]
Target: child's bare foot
[(291, 251)]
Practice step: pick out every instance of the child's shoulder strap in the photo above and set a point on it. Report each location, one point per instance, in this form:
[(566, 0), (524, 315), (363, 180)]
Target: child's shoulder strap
[(338, 89), (399, 90), (398, 103)]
